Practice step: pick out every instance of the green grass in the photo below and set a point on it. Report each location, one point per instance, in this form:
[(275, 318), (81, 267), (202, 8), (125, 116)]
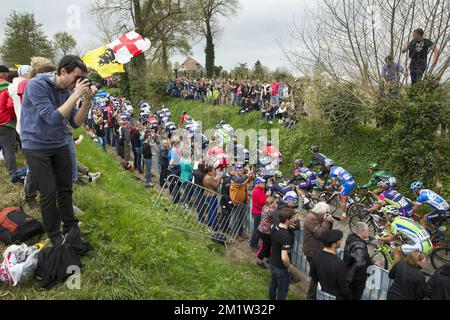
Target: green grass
[(134, 257), (354, 152)]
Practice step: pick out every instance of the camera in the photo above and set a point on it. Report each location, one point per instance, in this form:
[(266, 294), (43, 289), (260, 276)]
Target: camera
[(90, 82)]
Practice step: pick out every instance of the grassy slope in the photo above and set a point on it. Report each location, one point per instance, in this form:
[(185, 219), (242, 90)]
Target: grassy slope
[(134, 257), (352, 152)]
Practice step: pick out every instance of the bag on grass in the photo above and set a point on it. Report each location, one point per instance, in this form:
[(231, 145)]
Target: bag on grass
[(19, 263), (16, 226)]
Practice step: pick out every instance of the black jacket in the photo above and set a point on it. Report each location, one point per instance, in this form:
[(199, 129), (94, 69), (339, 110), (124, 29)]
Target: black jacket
[(225, 201), (356, 259), (147, 151), (409, 283), (438, 287)]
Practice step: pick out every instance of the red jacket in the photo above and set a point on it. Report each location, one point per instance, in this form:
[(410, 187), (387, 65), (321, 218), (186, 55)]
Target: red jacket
[(258, 200), (7, 113)]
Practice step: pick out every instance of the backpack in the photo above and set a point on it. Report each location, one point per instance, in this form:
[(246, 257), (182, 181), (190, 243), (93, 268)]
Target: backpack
[(16, 226)]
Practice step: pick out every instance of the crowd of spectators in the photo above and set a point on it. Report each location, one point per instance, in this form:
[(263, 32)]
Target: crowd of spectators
[(273, 100)]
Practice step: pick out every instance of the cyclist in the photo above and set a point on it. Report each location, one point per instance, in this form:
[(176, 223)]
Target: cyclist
[(376, 175), (391, 197), (316, 160), (441, 208), (307, 178), (185, 118), (348, 184), (291, 199), (401, 226)]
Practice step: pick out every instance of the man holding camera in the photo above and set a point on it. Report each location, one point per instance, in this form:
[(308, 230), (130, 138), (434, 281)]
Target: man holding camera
[(48, 107)]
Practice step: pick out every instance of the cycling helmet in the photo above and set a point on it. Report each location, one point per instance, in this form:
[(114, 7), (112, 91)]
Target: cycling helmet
[(391, 210), (392, 182), (279, 174), (269, 143), (384, 184), (290, 196), (314, 149), (416, 185), (329, 163), (373, 166), (298, 163)]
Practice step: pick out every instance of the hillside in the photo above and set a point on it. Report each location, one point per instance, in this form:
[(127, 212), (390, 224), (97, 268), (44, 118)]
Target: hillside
[(354, 152), (133, 257)]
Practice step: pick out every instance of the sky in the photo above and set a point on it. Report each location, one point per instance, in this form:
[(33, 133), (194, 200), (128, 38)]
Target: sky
[(250, 35)]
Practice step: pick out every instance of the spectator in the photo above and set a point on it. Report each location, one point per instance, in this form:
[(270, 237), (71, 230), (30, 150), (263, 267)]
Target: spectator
[(280, 260), (391, 72), (174, 159), (438, 287), (357, 260), (258, 201), (315, 224), (281, 113), (127, 142), (7, 123), (418, 50), (186, 177), (136, 147), (211, 182), (16, 93), (147, 155), (409, 281), (239, 197), (265, 231), (48, 106), (225, 200), (327, 269), (164, 163)]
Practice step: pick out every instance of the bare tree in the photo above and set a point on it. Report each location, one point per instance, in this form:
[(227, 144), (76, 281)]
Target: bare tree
[(349, 39), (206, 17)]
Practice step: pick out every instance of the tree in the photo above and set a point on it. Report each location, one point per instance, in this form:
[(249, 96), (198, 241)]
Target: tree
[(350, 39), (150, 18), (218, 71), (206, 17), (258, 70), (241, 70), (24, 39), (64, 43)]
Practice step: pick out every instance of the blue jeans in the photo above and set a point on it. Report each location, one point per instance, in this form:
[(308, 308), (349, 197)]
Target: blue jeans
[(148, 170), (212, 212), (279, 283), (417, 70), (277, 100), (73, 157), (138, 159)]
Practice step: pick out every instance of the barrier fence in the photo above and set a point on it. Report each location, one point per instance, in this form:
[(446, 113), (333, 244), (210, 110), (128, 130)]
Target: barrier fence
[(208, 214)]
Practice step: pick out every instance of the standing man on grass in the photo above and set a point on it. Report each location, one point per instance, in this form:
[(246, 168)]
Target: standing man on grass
[(48, 107)]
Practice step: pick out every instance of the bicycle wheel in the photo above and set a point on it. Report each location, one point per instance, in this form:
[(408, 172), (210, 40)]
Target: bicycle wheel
[(378, 256), (440, 256), (331, 199), (355, 209), (362, 218)]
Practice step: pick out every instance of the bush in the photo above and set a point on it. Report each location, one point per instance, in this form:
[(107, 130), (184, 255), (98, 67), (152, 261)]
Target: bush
[(156, 89), (410, 123), (340, 107)]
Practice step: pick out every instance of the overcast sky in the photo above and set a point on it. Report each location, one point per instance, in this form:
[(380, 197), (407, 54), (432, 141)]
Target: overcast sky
[(248, 36)]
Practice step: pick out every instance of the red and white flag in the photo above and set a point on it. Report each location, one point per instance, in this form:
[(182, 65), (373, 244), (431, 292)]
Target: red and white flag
[(129, 46)]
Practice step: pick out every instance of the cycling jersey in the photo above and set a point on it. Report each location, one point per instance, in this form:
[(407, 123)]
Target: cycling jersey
[(306, 175), (396, 199), (433, 200), (281, 188), (317, 159), (348, 184), (414, 232), (377, 177)]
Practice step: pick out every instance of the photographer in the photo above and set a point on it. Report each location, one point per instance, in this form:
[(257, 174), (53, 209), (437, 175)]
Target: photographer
[(48, 107)]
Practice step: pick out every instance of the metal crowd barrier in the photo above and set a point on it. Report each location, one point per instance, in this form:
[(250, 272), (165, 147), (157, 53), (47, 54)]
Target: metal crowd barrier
[(206, 216), (209, 218), (377, 284)]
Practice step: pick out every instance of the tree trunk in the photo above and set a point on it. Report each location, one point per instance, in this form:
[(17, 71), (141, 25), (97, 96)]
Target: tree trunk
[(209, 51), (165, 60), (137, 79)]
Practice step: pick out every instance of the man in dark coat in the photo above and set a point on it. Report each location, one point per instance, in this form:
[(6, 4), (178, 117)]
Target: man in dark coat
[(164, 162), (357, 260)]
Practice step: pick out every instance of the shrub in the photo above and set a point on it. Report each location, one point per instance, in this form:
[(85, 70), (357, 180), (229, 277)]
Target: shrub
[(156, 89), (340, 107)]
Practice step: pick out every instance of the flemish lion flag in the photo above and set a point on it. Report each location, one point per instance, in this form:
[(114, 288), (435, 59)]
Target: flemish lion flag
[(109, 59)]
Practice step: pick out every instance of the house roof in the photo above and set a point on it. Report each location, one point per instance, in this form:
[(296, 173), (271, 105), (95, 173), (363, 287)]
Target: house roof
[(191, 65)]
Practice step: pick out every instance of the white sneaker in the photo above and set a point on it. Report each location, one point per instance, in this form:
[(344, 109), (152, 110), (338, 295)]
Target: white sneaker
[(306, 201)]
